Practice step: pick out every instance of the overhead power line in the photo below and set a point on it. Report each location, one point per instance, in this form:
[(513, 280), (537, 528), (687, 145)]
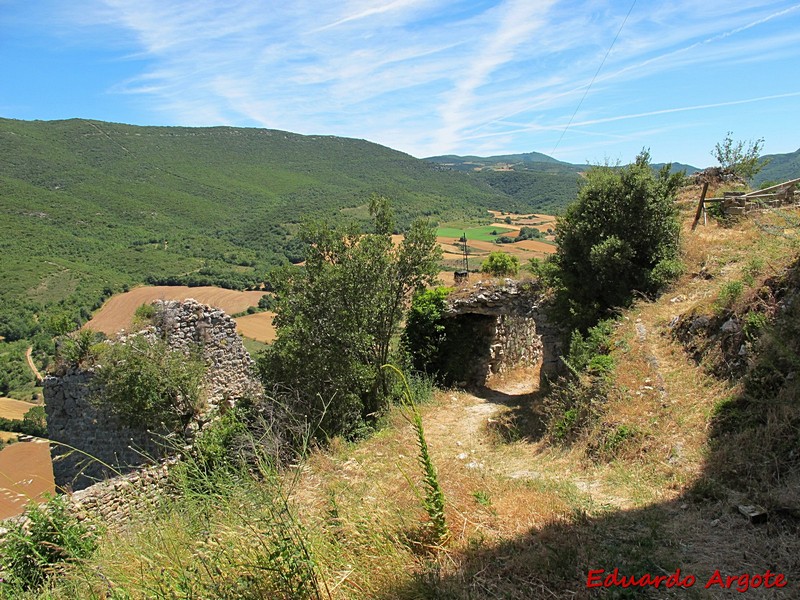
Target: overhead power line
[(577, 108)]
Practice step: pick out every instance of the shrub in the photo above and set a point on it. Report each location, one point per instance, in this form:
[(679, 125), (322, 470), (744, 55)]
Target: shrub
[(595, 344), (574, 406), (337, 318), (736, 159), (41, 548), (144, 313), (79, 349), (425, 331), (146, 383), (500, 264), (621, 236)]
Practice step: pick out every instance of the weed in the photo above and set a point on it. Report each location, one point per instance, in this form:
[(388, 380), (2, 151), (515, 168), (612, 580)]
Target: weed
[(574, 405), (753, 324), (612, 441), (35, 551), (729, 293), (482, 498), (752, 269), (433, 501)]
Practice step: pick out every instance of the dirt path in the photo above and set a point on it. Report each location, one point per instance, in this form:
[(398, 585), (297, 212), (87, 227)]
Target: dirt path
[(36, 373), (480, 428)]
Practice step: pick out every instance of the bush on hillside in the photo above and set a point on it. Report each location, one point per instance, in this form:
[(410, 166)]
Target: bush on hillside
[(620, 238), (500, 264), (425, 331), (336, 318), (147, 384)]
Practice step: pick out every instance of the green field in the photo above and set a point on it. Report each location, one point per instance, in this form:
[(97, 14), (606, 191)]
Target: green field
[(483, 234)]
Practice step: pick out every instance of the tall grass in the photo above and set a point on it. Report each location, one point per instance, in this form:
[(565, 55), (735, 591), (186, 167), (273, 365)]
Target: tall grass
[(227, 530)]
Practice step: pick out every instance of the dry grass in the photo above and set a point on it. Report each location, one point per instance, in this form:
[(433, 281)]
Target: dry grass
[(257, 326), (14, 409), (26, 474)]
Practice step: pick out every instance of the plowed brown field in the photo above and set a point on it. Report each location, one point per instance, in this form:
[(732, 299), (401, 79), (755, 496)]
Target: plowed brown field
[(536, 246), (117, 312), (14, 409), (26, 474), (257, 327)]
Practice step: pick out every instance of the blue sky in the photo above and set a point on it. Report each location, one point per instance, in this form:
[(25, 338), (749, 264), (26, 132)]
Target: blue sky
[(584, 81)]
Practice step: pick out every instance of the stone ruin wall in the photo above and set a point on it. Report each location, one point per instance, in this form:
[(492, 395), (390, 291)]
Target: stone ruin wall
[(516, 343), (113, 503), (506, 327), (73, 420)]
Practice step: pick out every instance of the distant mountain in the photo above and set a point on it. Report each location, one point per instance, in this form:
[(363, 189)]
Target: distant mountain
[(546, 184), (676, 166), (781, 167), (471, 163)]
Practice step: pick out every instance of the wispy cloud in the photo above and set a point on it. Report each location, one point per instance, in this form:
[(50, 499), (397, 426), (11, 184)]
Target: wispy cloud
[(435, 76)]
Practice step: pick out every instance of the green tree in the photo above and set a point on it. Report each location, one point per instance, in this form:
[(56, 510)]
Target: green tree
[(425, 331), (739, 157), (619, 237), (336, 318), (500, 264)]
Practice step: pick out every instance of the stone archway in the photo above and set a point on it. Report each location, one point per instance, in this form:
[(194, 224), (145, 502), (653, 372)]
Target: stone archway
[(494, 326)]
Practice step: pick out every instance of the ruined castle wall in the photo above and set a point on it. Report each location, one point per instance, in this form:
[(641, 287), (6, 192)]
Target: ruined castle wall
[(516, 343), (88, 442), (494, 327), (75, 420)]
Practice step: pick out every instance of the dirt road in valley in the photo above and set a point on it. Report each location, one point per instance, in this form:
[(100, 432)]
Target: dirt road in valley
[(36, 372)]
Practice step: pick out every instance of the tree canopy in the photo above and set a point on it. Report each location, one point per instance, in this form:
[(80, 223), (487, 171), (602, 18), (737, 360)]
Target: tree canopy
[(336, 317), (500, 264), (619, 237), (739, 159)]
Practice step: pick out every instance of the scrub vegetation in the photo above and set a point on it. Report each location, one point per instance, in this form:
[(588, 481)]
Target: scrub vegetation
[(679, 407)]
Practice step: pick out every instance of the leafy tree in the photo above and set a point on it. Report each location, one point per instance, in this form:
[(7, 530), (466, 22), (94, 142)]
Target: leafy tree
[(425, 331), (737, 159), (500, 264), (619, 237), (337, 317)]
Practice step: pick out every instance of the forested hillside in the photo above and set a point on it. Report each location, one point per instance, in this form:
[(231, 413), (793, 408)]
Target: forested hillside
[(88, 207), (545, 184), (779, 167)]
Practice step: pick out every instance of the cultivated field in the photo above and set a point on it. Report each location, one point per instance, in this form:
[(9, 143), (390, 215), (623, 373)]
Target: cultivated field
[(480, 241), (26, 474), (14, 409), (117, 312), (257, 327)]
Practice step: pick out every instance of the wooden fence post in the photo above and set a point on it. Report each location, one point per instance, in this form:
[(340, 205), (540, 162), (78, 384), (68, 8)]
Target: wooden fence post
[(700, 206)]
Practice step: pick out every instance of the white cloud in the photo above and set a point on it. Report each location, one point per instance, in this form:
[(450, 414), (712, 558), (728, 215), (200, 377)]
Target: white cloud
[(429, 76)]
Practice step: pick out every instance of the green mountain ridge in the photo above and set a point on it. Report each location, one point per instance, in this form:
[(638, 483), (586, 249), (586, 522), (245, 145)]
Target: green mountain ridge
[(779, 168), (89, 207)]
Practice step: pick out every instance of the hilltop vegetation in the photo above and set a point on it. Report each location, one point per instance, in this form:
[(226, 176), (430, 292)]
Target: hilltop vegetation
[(547, 184), (778, 168)]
